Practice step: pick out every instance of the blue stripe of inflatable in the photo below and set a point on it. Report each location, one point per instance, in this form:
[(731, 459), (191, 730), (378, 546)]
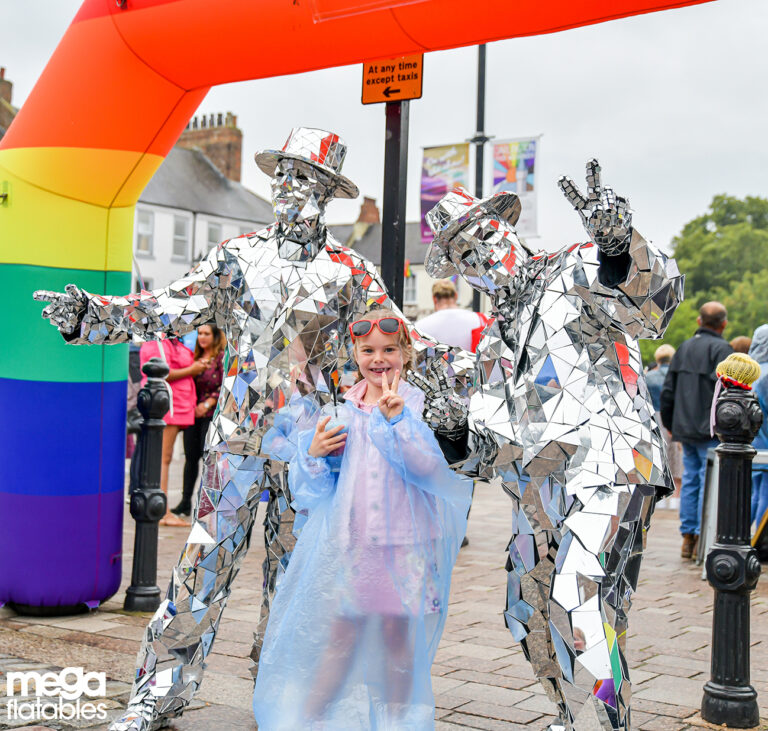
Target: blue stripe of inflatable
[(69, 439)]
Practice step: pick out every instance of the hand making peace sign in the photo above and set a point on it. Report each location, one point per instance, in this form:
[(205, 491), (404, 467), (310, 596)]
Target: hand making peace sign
[(606, 216), (390, 403)]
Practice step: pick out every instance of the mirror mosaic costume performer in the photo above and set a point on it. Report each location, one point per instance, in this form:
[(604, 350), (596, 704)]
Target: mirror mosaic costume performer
[(561, 407), (284, 296)]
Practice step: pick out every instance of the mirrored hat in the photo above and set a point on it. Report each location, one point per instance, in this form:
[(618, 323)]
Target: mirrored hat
[(323, 150), (452, 212)]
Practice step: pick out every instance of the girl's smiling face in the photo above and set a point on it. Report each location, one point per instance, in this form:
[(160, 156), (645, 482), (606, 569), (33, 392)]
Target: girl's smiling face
[(378, 354)]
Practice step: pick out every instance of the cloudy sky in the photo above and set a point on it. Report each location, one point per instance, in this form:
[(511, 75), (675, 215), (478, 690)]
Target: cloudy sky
[(672, 104)]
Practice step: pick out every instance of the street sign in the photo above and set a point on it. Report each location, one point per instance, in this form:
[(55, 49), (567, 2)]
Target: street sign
[(393, 79)]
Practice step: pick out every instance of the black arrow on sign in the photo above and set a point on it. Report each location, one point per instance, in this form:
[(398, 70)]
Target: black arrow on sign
[(388, 92)]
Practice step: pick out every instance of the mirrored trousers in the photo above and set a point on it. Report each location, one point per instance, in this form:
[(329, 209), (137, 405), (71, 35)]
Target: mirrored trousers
[(181, 633), (573, 567)]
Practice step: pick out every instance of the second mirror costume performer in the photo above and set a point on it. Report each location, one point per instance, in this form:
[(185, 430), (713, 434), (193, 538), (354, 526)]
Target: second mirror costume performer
[(557, 408), (560, 407)]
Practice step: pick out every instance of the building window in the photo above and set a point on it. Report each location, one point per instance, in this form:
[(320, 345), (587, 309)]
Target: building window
[(214, 235), (410, 291), (181, 238), (145, 233), (147, 285)]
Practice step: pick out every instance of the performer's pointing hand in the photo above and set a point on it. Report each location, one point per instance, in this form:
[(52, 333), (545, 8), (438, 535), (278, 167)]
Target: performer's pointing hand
[(65, 309)]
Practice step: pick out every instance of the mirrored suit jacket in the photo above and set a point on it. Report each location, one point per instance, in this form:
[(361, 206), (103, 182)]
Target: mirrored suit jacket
[(560, 388), (286, 322)]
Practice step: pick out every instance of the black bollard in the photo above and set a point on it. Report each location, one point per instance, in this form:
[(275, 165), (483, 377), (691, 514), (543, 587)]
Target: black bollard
[(148, 501), (732, 565)]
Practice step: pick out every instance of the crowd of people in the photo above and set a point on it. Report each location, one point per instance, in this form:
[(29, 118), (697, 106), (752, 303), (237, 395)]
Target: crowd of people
[(682, 385)]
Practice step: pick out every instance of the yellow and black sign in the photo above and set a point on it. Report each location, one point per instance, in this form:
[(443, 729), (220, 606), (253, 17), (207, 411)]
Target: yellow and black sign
[(393, 79)]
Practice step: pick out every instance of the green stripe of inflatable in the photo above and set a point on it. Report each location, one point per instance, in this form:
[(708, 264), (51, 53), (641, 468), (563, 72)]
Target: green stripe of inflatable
[(33, 350)]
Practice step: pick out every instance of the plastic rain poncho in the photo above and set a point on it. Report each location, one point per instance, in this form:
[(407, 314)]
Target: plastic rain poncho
[(358, 615)]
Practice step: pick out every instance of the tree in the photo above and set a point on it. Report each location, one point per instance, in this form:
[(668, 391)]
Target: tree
[(724, 256)]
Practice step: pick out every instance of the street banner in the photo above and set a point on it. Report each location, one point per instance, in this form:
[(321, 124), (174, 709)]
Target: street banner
[(442, 169), (514, 164)]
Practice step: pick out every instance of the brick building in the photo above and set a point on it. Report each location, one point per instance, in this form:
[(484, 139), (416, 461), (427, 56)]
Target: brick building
[(219, 139), (7, 110)]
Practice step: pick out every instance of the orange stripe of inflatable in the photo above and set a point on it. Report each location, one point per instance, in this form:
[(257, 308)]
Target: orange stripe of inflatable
[(104, 97)]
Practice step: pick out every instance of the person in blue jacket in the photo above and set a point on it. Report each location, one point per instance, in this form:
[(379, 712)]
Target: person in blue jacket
[(358, 615), (759, 351)]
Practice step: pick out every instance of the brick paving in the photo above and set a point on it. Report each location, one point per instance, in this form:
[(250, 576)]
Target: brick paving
[(480, 678)]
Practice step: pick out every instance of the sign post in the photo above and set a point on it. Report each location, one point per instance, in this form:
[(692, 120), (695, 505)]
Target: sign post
[(479, 139), (393, 210), (394, 81)]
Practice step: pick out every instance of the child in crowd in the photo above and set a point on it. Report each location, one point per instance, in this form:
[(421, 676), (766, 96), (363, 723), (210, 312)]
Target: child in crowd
[(360, 610)]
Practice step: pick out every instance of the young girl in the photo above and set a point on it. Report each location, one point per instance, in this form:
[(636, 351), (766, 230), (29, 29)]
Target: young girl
[(358, 615)]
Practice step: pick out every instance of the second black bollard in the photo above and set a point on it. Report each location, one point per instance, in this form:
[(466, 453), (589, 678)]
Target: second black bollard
[(148, 502), (732, 566)]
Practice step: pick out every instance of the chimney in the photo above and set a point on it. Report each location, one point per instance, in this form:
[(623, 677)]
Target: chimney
[(369, 213), (6, 87), (218, 137)]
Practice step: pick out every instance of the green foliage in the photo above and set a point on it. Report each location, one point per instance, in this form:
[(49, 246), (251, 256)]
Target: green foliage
[(683, 325), (724, 256)]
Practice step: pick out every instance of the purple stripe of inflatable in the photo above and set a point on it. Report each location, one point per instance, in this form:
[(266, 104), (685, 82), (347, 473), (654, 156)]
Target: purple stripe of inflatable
[(61, 491), (60, 550)]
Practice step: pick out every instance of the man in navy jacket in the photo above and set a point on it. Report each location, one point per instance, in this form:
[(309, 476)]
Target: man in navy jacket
[(686, 401)]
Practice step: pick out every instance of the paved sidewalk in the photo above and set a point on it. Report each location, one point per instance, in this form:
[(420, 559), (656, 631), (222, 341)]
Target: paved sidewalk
[(481, 679)]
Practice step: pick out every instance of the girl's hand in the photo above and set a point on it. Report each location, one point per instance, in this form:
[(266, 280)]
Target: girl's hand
[(390, 404), (325, 442)]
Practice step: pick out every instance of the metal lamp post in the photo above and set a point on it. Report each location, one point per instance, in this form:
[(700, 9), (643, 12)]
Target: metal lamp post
[(148, 501), (732, 565)]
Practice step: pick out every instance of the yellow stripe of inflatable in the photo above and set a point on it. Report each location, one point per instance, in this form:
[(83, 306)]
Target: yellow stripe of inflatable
[(103, 177), (44, 229)]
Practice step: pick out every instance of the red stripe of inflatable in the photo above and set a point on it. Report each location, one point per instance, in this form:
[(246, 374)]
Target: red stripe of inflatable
[(153, 51), (96, 93), (244, 39)]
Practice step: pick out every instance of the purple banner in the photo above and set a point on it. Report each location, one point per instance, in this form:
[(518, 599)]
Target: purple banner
[(442, 169)]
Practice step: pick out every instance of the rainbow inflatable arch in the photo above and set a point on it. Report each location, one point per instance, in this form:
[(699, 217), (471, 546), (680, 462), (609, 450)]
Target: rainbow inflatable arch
[(73, 164)]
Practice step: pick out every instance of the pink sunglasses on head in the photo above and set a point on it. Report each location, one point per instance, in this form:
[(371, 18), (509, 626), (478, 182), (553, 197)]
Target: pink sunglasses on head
[(386, 325)]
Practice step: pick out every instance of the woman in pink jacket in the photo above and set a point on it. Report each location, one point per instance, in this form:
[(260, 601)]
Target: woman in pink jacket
[(182, 369), (358, 615)]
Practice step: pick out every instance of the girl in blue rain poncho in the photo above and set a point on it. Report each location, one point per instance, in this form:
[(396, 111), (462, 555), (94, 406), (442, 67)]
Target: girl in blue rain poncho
[(358, 615)]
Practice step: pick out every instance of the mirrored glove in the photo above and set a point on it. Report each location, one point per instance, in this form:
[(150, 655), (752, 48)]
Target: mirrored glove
[(444, 411), (66, 309), (606, 217)]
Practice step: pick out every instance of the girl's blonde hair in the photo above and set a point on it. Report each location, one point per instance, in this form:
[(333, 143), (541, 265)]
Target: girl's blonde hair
[(403, 337)]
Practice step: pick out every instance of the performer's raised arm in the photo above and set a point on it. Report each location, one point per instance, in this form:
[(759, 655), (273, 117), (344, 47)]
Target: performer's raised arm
[(627, 281), (177, 309)]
